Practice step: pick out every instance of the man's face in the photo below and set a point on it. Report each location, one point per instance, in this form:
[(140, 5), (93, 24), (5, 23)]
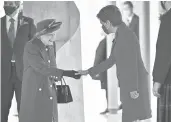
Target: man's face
[(10, 7), (127, 10)]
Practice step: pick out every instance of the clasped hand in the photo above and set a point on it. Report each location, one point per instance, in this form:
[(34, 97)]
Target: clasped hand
[(75, 74), (82, 72), (134, 94)]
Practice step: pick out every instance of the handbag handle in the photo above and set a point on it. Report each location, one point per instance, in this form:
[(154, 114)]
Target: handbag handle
[(62, 79)]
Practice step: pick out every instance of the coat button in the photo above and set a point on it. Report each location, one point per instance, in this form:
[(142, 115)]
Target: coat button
[(40, 89), (46, 49), (51, 98), (49, 61), (51, 86)]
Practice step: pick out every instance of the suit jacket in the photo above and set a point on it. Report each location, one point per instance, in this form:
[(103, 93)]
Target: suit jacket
[(134, 25), (101, 56), (162, 65), (25, 32), (131, 74), (38, 99)]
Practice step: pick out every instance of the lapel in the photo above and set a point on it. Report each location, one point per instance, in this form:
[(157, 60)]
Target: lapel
[(117, 35), (132, 21), (115, 39), (21, 23), (5, 39), (42, 47)]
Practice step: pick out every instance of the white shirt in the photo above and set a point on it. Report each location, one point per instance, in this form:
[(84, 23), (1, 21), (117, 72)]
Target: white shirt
[(110, 37), (129, 19), (8, 23)]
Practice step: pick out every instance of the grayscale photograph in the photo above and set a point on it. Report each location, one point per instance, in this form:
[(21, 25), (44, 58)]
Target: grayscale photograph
[(85, 61)]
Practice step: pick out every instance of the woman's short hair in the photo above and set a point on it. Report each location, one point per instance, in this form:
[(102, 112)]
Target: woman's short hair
[(111, 13)]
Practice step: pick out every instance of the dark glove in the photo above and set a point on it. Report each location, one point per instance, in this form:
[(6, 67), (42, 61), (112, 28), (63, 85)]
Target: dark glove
[(72, 74)]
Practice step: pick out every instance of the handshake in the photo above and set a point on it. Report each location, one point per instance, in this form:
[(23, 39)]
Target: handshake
[(75, 74)]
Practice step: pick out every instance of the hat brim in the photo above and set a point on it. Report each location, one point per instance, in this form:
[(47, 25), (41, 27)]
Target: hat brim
[(51, 29), (56, 26)]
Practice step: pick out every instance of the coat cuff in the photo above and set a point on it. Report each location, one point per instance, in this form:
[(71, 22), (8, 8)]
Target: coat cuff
[(59, 73), (92, 73)]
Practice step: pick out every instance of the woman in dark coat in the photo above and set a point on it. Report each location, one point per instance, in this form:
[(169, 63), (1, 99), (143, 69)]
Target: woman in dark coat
[(162, 67), (38, 99), (131, 73)]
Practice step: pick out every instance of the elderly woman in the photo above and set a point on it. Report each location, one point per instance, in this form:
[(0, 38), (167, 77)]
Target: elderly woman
[(131, 73), (38, 100), (162, 66)]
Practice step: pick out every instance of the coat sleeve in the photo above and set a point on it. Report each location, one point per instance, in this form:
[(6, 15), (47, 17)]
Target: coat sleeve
[(163, 50), (35, 60), (103, 66)]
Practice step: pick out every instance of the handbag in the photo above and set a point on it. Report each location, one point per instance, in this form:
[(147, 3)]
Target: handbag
[(63, 92)]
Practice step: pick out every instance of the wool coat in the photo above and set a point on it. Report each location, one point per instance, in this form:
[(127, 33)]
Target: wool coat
[(131, 74), (38, 99)]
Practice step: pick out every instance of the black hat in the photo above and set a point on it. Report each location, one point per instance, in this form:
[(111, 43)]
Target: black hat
[(47, 26)]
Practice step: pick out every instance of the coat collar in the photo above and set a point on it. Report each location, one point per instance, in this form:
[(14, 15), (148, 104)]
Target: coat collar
[(122, 25), (39, 43)]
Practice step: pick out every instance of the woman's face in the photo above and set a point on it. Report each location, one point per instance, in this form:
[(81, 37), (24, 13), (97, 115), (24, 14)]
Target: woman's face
[(105, 26), (48, 38)]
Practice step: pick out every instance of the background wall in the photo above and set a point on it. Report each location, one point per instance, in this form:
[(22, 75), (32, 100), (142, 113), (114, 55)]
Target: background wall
[(68, 42), (155, 11), (66, 12)]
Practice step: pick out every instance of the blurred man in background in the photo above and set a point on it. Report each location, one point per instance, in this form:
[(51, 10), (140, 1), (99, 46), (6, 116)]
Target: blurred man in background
[(16, 30), (131, 19)]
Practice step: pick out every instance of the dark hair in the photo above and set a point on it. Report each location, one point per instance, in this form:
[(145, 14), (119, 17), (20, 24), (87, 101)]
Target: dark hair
[(129, 3), (111, 13)]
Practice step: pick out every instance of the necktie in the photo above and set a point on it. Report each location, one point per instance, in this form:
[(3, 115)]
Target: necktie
[(11, 32), (11, 35)]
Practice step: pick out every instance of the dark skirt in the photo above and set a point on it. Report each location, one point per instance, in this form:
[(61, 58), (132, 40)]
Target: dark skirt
[(164, 104)]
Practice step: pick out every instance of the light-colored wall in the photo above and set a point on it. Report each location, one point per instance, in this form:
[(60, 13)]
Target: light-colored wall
[(69, 49)]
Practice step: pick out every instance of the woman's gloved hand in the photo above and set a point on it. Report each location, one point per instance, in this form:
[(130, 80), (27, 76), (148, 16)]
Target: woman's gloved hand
[(72, 73)]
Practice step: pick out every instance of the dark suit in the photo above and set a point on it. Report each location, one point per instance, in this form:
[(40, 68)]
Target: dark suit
[(12, 75), (134, 25), (101, 55)]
